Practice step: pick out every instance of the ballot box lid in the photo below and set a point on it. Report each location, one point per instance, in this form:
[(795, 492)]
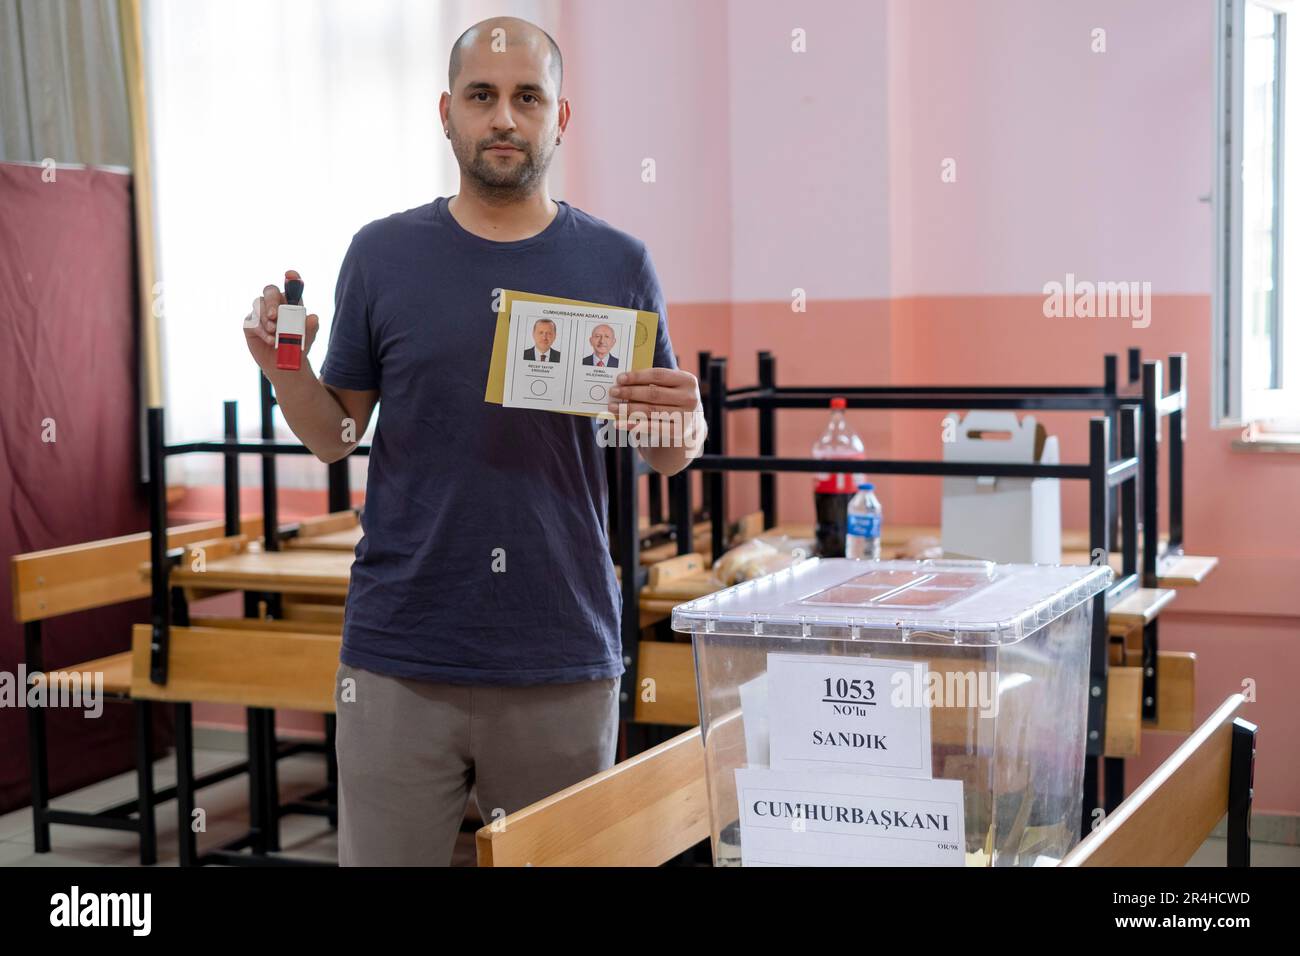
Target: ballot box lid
[(935, 601)]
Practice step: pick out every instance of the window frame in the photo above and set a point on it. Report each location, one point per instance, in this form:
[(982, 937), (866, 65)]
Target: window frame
[(1233, 403)]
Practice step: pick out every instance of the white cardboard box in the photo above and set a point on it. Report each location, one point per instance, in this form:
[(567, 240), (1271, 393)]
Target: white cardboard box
[(1008, 520)]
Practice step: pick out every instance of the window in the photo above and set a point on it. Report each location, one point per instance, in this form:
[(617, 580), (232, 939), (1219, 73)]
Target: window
[(1257, 286)]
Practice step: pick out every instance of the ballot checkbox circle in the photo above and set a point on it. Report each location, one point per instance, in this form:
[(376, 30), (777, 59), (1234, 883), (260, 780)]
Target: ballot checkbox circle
[(597, 393), (538, 387)]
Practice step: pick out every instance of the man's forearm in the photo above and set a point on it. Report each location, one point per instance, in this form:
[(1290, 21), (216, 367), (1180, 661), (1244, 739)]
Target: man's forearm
[(314, 414)]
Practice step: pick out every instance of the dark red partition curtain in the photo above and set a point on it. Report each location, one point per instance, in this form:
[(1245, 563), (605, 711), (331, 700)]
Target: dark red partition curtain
[(68, 370)]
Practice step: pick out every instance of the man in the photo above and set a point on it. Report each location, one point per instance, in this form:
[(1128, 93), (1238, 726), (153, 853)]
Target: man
[(602, 340), (543, 336), (463, 662)]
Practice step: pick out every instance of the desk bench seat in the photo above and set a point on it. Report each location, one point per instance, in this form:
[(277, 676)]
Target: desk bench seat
[(116, 669)]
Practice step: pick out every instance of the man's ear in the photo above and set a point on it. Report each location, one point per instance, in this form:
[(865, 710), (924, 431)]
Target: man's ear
[(564, 115), (444, 111)]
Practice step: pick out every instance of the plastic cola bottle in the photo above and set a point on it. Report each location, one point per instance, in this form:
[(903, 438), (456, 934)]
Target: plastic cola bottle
[(832, 490)]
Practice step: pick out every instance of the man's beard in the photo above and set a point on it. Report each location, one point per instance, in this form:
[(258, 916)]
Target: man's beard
[(496, 182)]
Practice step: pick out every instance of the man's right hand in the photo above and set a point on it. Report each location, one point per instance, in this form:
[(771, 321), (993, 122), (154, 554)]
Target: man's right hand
[(259, 328)]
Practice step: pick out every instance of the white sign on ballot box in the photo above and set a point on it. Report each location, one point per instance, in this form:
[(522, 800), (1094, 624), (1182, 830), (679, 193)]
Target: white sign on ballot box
[(794, 818), (840, 714)]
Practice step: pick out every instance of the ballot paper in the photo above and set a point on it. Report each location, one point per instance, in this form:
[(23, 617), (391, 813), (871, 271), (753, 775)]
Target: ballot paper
[(563, 355), (799, 818), (845, 714)]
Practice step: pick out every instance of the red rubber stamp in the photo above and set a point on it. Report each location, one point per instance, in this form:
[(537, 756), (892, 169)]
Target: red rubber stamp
[(290, 327)]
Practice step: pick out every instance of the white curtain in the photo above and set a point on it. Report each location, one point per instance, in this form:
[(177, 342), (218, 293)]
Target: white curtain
[(280, 128), (62, 87)]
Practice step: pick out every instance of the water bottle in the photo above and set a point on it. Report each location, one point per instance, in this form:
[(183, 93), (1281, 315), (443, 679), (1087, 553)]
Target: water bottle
[(864, 524), (832, 490)]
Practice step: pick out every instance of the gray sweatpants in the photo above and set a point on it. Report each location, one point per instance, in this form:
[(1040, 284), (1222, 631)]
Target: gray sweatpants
[(409, 751)]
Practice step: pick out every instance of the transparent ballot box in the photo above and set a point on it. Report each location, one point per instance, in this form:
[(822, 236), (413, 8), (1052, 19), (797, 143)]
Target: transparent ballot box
[(923, 713)]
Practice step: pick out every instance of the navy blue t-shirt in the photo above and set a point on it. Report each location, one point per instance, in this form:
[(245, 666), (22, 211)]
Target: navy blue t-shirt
[(453, 478)]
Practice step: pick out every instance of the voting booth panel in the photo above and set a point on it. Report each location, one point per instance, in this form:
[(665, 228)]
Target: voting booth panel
[(895, 712)]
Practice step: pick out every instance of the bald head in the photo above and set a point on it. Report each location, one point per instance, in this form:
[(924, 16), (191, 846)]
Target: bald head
[(514, 31)]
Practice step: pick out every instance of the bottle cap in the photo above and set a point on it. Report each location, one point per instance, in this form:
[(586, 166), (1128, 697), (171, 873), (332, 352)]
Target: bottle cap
[(839, 403), (866, 486)]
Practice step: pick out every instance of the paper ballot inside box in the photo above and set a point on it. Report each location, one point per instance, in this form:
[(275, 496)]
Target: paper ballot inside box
[(1008, 520)]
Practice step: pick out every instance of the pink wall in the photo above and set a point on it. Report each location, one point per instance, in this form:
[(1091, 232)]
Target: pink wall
[(824, 168), (809, 152), (772, 165), (1067, 160), (649, 80)]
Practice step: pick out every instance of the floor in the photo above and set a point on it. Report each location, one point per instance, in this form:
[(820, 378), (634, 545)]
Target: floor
[(310, 837), (226, 804)]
